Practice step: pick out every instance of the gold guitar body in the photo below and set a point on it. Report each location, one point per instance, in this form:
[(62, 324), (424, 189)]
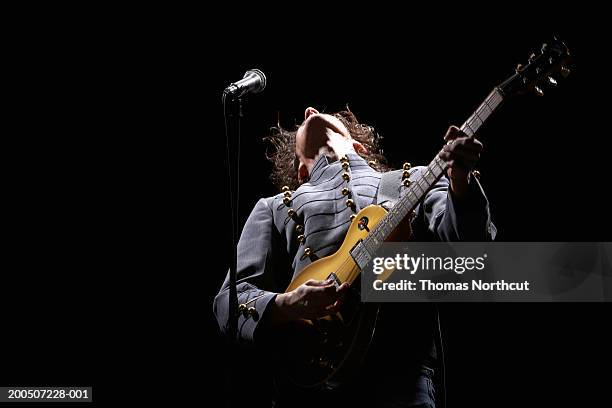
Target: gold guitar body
[(341, 262), (324, 352)]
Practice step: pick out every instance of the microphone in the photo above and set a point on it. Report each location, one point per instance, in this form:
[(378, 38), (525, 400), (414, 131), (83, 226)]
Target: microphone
[(254, 81)]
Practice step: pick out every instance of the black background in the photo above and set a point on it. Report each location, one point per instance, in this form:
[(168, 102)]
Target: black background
[(117, 214)]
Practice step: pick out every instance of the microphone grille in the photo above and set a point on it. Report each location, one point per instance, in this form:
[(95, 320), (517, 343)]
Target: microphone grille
[(262, 79)]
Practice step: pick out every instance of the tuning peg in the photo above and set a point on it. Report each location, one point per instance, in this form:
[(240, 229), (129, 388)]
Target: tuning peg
[(519, 68), (539, 91), (565, 71), (552, 81)]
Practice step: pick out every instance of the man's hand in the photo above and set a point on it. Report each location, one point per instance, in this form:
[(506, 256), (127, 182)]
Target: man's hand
[(461, 154), (311, 300)]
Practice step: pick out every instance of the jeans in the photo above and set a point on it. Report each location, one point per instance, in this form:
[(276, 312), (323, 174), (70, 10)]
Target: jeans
[(384, 391), (393, 392)]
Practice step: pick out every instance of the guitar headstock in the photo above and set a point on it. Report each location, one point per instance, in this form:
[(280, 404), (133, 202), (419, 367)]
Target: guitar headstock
[(542, 68)]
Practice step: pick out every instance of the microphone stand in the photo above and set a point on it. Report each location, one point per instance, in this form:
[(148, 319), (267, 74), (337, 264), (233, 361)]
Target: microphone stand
[(233, 171), (254, 81)]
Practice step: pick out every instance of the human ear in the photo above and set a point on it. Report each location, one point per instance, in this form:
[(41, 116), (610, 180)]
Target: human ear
[(359, 148), (309, 112), (302, 172)]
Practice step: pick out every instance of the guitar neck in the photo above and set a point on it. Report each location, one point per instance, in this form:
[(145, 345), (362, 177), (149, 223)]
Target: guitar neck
[(428, 177), (480, 115)]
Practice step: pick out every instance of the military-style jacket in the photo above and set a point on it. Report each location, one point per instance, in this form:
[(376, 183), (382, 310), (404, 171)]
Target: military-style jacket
[(286, 232)]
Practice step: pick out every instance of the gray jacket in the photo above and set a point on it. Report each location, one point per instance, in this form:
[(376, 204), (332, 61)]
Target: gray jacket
[(286, 232)]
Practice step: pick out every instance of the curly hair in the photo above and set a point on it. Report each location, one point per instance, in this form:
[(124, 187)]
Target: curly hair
[(285, 161)]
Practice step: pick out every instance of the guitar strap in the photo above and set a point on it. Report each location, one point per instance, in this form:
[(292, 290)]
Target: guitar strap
[(389, 188)]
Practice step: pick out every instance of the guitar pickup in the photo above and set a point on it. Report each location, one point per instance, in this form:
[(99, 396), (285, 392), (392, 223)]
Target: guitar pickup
[(360, 255), (337, 281)]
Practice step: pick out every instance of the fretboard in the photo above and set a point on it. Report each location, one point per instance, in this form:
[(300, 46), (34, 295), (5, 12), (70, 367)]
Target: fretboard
[(418, 188)]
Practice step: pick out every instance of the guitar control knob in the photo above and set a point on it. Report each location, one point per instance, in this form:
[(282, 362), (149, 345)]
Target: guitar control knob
[(565, 71), (323, 362), (539, 91)]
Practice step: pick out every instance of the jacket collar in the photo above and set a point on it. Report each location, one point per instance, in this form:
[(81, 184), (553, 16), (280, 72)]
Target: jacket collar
[(323, 162)]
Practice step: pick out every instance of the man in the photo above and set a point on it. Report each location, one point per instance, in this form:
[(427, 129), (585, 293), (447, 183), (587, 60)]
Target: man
[(325, 161)]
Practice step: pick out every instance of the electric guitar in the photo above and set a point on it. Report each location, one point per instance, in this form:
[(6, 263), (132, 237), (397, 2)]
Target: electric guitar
[(323, 352)]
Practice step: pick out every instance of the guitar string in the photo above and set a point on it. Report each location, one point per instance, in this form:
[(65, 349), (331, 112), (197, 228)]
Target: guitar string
[(492, 98), (353, 274)]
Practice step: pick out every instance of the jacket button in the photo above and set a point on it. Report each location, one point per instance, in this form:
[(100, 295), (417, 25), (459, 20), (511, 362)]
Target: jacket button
[(405, 174), (299, 229), (345, 191), (291, 212), (345, 165), (344, 159), (243, 310), (285, 189), (350, 203), (307, 251), (352, 217), (286, 200), (301, 239), (253, 313), (407, 182), (346, 176), (407, 166)]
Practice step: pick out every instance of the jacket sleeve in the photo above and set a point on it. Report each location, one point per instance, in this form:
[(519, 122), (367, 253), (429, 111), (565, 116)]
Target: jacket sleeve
[(258, 252), (451, 219)]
